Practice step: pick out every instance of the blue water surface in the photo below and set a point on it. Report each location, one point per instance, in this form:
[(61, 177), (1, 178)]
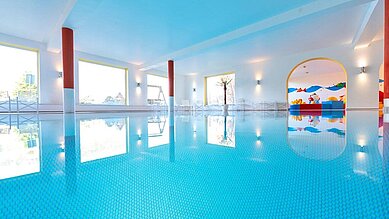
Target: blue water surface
[(244, 165)]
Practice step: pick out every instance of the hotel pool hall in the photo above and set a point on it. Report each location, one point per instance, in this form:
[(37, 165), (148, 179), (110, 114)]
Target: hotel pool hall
[(194, 109)]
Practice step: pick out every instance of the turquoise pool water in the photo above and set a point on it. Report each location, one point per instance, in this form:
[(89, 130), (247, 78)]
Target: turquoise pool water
[(245, 165)]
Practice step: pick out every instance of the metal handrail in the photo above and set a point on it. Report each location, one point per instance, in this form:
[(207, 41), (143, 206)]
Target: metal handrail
[(20, 105), (7, 103), (26, 105)]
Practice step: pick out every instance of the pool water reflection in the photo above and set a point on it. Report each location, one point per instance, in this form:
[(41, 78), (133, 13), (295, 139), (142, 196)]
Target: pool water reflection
[(244, 165), (317, 137), (19, 150), (109, 138)]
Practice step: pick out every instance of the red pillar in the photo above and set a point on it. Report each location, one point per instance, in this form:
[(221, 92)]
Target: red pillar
[(68, 69), (68, 57), (68, 107), (171, 77), (386, 92), (386, 52), (171, 83), (170, 67)]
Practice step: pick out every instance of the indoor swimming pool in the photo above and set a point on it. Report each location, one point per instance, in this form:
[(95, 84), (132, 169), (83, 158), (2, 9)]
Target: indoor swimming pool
[(244, 165)]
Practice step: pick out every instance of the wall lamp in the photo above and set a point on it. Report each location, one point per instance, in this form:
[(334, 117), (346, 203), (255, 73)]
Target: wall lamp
[(138, 84), (363, 70), (194, 89), (60, 74), (139, 133), (258, 82)]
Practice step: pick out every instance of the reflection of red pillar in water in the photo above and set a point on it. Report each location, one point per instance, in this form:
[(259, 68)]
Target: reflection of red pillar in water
[(386, 153)]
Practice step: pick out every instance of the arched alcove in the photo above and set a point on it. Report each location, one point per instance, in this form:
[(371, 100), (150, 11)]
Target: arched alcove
[(315, 82)]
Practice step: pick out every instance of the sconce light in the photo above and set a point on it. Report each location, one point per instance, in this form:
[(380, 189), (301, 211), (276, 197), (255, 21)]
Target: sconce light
[(258, 82), (62, 147), (258, 134), (139, 135), (194, 131), (361, 142), (138, 84), (194, 89), (363, 70), (60, 74)]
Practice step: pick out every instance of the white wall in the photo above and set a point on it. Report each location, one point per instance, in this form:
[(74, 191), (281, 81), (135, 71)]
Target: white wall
[(50, 87), (362, 88)]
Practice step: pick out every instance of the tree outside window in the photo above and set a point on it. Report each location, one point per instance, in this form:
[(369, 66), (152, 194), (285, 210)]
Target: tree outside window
[(215, 89)]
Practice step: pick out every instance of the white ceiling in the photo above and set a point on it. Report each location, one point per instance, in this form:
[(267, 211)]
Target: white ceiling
[(314, 32), (30, 19), (201, 35), (141, 31)]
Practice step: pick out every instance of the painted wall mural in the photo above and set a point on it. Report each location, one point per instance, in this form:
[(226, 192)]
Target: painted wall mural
[(318, 94), (314, 88)]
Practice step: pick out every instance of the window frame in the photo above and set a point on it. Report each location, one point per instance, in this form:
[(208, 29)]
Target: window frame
[(147, 84), (206, 84), (106, 65), (38, 57)]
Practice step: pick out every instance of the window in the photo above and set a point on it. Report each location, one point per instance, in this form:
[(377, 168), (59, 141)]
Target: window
[(18, 73), (101, 84), (215, 89), (157, 90)]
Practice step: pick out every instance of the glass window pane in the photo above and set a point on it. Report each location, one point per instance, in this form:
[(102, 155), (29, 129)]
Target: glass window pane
[(100, 84), (18, 73), (215, 89), (157, 89)]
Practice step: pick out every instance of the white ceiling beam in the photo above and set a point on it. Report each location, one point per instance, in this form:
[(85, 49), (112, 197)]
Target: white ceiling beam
[(53, 38), (309, 9), (364, 23)]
